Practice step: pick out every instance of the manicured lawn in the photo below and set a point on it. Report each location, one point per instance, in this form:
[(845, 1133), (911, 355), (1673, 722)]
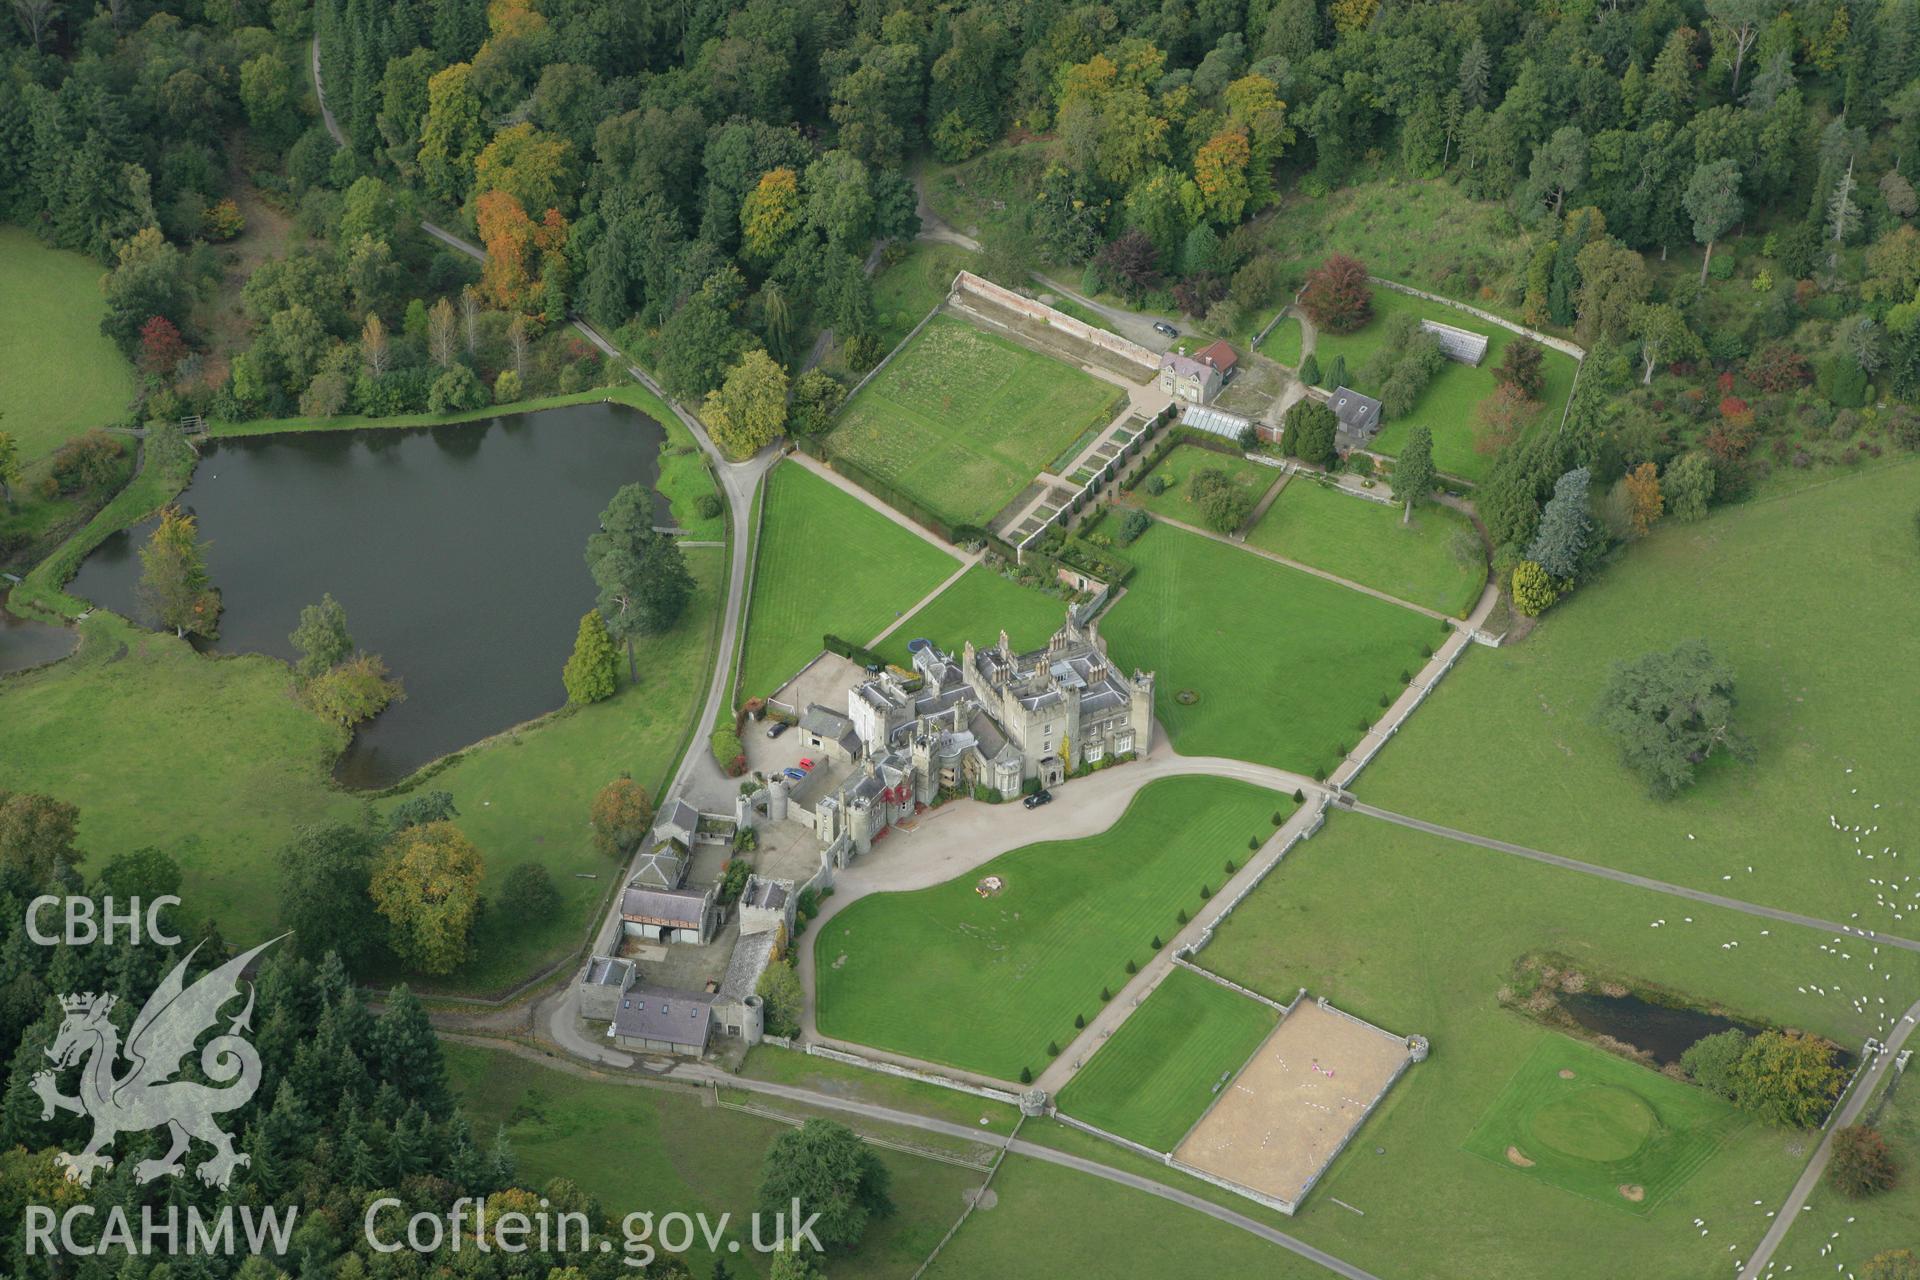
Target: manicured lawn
[(1449, 405), (1283, 344), (1285, 665), (1051, 1221), (1592, 1123), (1419, 934), (1163, 1069), (213, 761), (904, 291), (1890, 1220), (1437, 560), (985, 983), (1808, 597), (977, 608), (828, 563), (662, 1151), (1252, 479), (61, 375), (964, 419)]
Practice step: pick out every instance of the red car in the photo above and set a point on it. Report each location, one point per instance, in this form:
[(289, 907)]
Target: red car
[(805, 763)]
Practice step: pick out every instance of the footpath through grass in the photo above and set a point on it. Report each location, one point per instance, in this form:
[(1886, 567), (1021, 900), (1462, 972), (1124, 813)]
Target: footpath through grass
[(1449, 405), (1283, 667), (1436, 560), (1420, 934), (1808, 597), (984, 983), (676, 1154), (827, 563), (60, 375), (1158, 1075), (977, 608), (963, 419)]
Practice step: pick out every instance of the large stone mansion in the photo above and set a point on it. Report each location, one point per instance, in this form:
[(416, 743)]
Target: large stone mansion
[(992, 718)]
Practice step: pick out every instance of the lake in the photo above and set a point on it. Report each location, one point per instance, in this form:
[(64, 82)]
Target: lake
[(25, 643), (457, 552)]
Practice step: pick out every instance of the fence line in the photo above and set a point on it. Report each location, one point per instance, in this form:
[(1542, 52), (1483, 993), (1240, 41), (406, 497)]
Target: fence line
[(908, 1073)]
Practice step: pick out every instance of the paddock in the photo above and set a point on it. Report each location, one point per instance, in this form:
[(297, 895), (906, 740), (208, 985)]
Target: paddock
[(1301, 1096)]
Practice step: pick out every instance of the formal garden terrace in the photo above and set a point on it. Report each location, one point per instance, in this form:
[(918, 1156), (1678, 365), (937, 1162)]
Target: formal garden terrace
[(455, 550)]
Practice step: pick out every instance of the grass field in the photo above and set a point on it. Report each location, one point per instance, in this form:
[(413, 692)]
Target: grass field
[(1052, 1221), (1284, 343), (1592, 1123), (212, 760), (1161, 1072), (823, 1075), (1437, 560), (1180, 467), (1807, 596), (1285, 665), (54, 307), (803, 588), (665, 1151), (1448, 407), (906, 289), (1419, 934), (985, 983), (977, 608), (1890, 1220), (963, 419)]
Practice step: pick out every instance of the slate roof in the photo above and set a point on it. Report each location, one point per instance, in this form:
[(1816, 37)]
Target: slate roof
[(662, 867), (608, 971), (825, 722), (1358, 415), (768, 894), (677, 908), (683, 1019), (744, 967)]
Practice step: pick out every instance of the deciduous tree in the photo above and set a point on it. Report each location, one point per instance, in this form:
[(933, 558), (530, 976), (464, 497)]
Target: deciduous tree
[(322, 637), (1861, 1164), (174, 587), (1337, 296), (325, 872), (620, 815), (1413, 471), (1788, 1078), (36, 836), (427, 885), (827, 1168), (748, 411), (1644, 498), (643, 579), (352, 691)]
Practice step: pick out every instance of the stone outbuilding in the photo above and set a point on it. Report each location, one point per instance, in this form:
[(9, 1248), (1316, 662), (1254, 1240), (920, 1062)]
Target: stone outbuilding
[(656, 1020)]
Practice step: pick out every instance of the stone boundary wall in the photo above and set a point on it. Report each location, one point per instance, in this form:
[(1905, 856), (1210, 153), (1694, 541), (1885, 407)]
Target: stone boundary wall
[(1365, 1116), (898, 347), (904, 1073), (1132, 352), (1869, 1053), (1573, 349), (1088, 493), (1228, 1184), (1361, 759), (1305, 832), (1094, 1130), (1233, 986), (973, 1201)]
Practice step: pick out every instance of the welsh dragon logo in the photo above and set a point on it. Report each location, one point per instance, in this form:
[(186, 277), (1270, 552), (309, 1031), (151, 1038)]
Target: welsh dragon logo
[(146, 1095)]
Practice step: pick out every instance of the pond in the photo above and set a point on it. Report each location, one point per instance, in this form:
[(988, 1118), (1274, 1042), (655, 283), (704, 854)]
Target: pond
[(457, 552), (1664, 1031), (25, 643)]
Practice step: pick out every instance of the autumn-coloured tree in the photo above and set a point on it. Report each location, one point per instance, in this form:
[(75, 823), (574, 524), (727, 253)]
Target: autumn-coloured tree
[(1503, 415), (1338, 297), (1350, 16), (1220, 171), (451, 133), (161, 347), (1862, 1163), (1778, 367), (441, 332), (1130, 262), (1644, 502), (358, 689), (427, 885), (619, 816), (1523, 365), (507, 233), (174, 586), (375, 350), (749, 409), (533, 167), (770, 214)]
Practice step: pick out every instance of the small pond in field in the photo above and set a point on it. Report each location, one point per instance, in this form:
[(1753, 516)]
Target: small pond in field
[(25, 643), (1664, 1031), (457, 552)]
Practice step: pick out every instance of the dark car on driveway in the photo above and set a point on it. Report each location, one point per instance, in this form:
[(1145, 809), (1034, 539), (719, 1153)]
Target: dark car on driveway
[(777, 728), (1038, 798), (1162, 327)]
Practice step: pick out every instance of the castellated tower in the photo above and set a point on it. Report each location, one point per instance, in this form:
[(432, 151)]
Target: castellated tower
[(1140, 711)]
